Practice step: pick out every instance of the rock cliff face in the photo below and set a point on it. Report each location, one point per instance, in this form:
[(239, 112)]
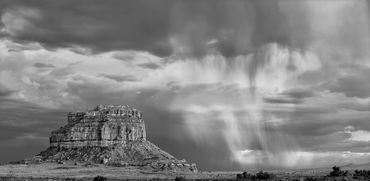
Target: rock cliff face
[(109, 134), (101, 126)]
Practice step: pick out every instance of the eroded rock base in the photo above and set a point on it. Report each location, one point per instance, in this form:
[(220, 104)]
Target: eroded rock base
[(143, 154)]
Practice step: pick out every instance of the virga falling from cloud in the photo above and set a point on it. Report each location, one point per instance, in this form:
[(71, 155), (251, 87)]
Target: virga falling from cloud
[(280, 81), (264, 74), (238, 99)]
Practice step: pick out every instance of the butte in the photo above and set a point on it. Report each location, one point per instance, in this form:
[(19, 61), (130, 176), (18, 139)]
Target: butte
[(113, 135)]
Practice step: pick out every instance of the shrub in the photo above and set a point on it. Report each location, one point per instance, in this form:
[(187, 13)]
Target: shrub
[(311, 179), (71, 179), (100, 178), (337, 172), (248, 176), (362, 174), (239, 176), (179, 178), (261, 175)]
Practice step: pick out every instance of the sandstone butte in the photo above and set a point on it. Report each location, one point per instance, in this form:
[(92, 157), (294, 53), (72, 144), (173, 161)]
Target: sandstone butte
[(113, 135)]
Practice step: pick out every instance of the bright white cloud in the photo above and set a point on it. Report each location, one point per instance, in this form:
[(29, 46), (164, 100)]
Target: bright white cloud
[(360, 135), (48, 87), (357, 135)]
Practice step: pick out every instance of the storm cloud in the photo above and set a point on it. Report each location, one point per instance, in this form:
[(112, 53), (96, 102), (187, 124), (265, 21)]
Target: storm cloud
[(232, 82), (162, 28)]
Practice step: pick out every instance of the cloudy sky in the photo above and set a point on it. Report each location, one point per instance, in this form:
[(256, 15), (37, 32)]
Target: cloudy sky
[(225, 84)]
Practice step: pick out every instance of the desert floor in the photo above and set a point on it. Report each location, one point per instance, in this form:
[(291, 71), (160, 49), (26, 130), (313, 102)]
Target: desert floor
[(71, 171)]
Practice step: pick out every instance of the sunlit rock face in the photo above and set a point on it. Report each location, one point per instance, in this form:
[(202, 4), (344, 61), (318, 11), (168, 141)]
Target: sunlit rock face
[(111, 135), (101, 126)]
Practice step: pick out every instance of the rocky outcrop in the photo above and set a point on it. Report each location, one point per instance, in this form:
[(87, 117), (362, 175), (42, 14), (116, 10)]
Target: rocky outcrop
[(113, 135), (101, 126)]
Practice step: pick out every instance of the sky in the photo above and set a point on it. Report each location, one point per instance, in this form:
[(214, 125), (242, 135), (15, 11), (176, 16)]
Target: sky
[(228, 85)]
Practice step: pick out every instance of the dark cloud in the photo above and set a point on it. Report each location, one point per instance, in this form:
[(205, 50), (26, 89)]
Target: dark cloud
[(206, 156), (318, 127), (101, 26), (281, 100), (149, 65), (298, 93), (178, 141), (310, 25), (271, 24), (125, 56), (43, 65), (14, 149), (231, 27), (193, 28), (291, 96), (189, 28), (121, 78), (352, 80), (313, 134), (311, 129), (25, 126), (353, 86), (237, 27), (4, 92)]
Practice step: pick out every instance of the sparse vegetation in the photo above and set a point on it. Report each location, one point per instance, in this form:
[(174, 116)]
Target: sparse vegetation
[(100, 178), (71, 179), (311, 179), (361, 174), (239, 176), (338, 173), (180, 178), (69, 171), (264, 175), (261, 175)]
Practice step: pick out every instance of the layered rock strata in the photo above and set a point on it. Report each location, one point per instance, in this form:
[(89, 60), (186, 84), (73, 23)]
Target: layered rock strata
[(109, 134), (101, 126)]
